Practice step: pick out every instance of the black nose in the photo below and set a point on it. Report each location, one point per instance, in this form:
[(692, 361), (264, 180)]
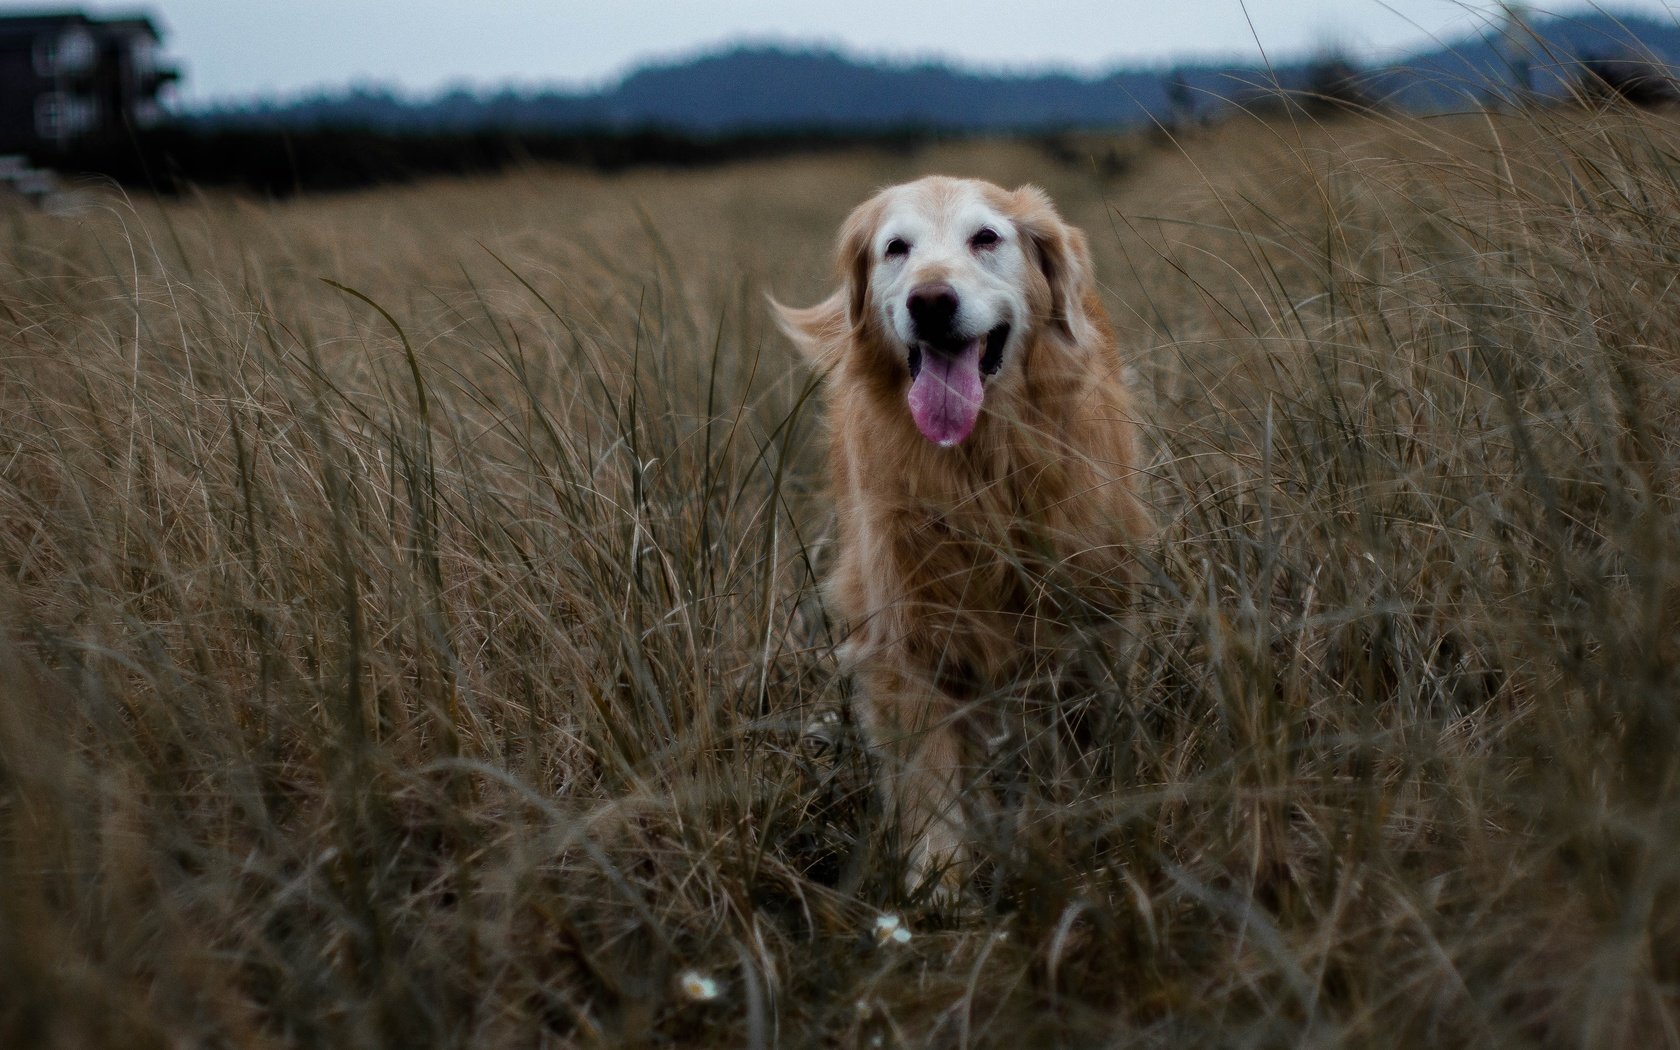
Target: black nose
[(933, 308)]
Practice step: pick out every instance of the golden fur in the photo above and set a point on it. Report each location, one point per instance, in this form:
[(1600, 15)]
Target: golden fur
[(948, 556)]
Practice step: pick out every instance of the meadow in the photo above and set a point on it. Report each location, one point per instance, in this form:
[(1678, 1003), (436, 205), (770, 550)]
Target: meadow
[(409, 631)]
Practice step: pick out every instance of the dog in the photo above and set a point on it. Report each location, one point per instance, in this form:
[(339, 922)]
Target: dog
[(982, 458)]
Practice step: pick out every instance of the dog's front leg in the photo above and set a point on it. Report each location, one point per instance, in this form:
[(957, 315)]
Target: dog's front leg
[(915, 735)]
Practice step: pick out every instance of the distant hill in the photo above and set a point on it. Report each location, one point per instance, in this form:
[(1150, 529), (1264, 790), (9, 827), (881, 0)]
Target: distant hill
[(762, 87), (1473, 69), (758, 89)]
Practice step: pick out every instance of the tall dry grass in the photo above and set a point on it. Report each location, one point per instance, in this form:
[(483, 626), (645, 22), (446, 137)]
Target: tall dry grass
[(411, 639)]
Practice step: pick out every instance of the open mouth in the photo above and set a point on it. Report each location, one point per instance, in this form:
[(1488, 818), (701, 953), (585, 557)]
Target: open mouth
[(947, 383), (990, 361)]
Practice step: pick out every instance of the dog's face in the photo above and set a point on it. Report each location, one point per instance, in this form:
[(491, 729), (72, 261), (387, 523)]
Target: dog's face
[(948, 283), (947, 287)]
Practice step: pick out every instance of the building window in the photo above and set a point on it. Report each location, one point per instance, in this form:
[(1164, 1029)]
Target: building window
[(68, 54), (59, 116), (142, 53)]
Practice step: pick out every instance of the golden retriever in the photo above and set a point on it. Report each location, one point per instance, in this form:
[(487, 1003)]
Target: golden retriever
[(982, 457)]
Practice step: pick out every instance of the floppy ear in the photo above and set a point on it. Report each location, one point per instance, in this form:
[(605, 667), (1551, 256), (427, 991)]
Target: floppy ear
[(817, 331), (856, 257), (821, 331), (1064, 260)]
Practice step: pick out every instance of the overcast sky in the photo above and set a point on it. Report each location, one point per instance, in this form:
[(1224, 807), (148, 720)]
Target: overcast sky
[(242, 48)]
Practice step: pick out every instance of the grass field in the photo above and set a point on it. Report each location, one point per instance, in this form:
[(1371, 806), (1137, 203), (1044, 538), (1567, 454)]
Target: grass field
[(408, 634)]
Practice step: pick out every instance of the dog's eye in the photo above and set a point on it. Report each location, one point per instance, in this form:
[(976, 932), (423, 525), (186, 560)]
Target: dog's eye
[(897, 246), (986, 238)]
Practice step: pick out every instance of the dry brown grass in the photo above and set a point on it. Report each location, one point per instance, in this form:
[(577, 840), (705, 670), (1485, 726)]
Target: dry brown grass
[(409, 636)]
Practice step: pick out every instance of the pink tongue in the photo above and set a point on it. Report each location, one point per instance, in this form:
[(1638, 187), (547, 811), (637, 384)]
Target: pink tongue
[(945, 397)]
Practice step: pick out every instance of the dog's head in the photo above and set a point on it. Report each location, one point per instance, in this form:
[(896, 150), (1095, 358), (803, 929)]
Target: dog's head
[(948, 287)]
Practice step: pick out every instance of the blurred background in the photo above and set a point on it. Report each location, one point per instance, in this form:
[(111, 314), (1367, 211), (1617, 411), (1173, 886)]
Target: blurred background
[(284, 97)]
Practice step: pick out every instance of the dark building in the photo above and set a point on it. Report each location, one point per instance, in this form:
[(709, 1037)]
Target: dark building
[(70, 80)]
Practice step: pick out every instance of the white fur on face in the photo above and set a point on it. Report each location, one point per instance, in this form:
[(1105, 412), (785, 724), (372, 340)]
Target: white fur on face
[(937, 223)]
